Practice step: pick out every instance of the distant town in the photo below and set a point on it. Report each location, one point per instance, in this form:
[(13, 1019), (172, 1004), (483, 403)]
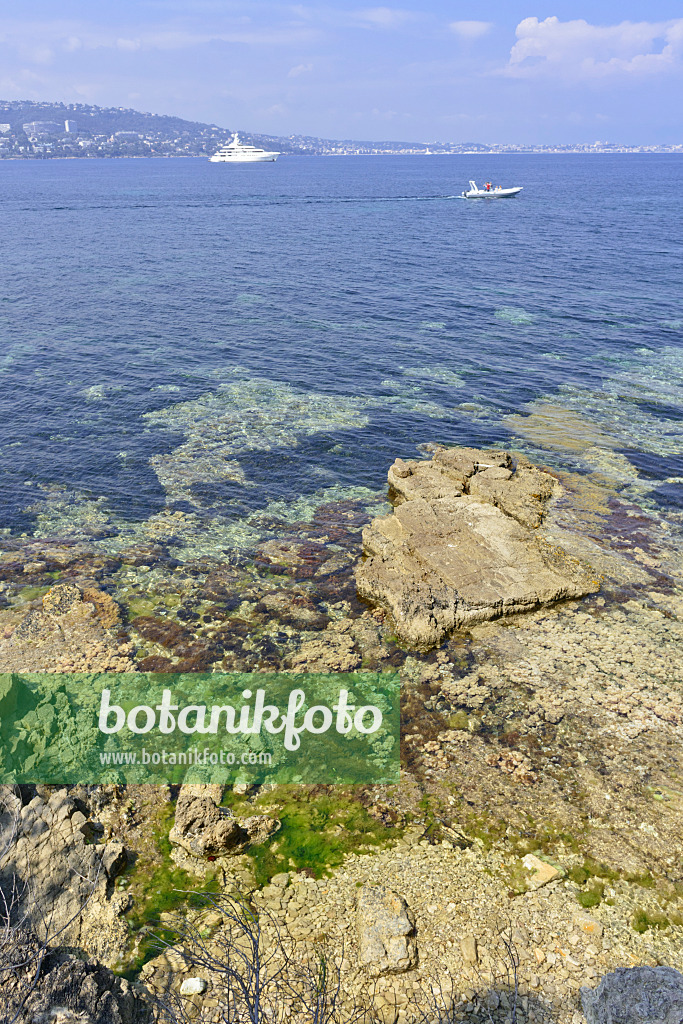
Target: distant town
[(41, 131)]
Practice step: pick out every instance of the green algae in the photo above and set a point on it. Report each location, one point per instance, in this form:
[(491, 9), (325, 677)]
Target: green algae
[(317, 833), (28, 594), (646, 920), (644, 880), (589, 899), (459, 720), (157, 886), (138, 606)]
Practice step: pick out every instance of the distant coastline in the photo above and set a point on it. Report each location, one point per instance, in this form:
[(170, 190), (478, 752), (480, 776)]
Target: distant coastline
[(642, 151), (45, 131)]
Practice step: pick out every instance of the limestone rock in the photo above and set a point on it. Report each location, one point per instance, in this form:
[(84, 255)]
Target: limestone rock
[(386, 931), (205, 829), (524, 495), (114, 857), (540, 871), (332, 651), (72, 632), (470, 952), (444, 476), (461, 545), (588, 925), (635, 995), (193, 987), (46, 844), (62, 598), (67, 990)]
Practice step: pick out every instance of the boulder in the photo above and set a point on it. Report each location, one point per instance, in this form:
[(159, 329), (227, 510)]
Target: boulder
[(48, 862), (205, 829), (72, 632), (523, 495), (193, 987), (62, 598), (635, 995), (67, 989), (540, 871), (463, 545), (386, 931)]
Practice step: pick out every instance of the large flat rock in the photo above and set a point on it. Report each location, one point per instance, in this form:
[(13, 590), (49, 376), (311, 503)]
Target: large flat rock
[(463, 545)]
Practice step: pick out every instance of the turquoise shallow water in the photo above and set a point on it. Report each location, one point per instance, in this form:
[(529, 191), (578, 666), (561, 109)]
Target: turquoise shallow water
[(224, 341)]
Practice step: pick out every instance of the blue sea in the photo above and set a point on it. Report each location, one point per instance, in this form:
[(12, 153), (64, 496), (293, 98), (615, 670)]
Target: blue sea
[(239, 342)]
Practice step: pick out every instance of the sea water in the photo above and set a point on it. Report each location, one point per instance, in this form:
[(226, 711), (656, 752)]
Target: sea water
[(240, 342)]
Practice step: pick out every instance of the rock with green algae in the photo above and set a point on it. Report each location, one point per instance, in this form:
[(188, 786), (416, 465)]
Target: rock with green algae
[(204, 829)]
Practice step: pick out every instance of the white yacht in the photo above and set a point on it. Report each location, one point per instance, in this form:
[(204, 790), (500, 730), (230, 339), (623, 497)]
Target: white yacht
[(237, 152), (489, 192)]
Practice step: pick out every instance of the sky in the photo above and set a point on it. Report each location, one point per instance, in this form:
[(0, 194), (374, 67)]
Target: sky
[(501, 71)]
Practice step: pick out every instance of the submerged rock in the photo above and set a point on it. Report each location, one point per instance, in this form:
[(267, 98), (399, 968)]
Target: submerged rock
[(463, 545)]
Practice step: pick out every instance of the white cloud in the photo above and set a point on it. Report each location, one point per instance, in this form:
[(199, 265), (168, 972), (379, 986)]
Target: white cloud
[(470, 29), (300, 69), (40, 42), (174, 39), (384, 17), (577, 49), (128, 44)]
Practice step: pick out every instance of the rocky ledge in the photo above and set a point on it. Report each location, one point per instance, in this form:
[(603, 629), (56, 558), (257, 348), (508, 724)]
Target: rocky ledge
[(465, 544)]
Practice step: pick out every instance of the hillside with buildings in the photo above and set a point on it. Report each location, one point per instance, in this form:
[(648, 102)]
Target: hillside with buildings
[(40, 130)]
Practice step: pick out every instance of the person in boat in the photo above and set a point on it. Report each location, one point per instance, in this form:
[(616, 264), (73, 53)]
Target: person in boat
[(488, 186)]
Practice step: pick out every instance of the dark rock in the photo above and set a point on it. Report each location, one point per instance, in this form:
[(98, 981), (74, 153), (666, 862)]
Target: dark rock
[(149, 554), (161, 631), (205, 829), (67, 988), (155, 663), (114, 859), (219, 586), (636, 995)]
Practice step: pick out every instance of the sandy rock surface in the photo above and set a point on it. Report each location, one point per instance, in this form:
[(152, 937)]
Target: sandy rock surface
[(463, 545), (62, 882), (72, 632)]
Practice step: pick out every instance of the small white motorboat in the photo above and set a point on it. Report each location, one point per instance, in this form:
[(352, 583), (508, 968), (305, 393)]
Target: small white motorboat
[(489, 192)]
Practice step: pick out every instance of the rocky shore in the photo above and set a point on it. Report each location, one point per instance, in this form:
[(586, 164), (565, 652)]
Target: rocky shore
[(535, 619)]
